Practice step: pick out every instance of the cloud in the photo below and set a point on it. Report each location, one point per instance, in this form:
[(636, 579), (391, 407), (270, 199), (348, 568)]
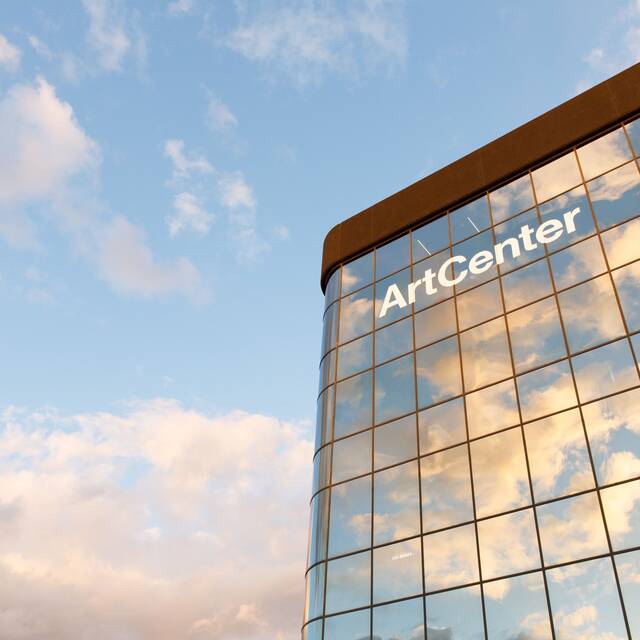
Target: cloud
[(282, 232), (40, 47), (10, 55), (306, 40), (189, 213), (155, 516), (219, 117), (185, 166), (180, 7)]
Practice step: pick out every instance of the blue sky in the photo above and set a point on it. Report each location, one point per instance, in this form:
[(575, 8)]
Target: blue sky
[(168, 171)]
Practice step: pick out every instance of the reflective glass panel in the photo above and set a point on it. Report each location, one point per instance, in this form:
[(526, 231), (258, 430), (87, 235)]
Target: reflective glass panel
[(314, 592), (396, 503), (629, 573), (492, 409), (430, 238), (318, 527), (348, 583), (401, 280), (353, 405), (633, 131), (479, 304), (577, 263), (446, 488), (394, 340), (441, 426), (399, 621), (470, 219), (395, 389), (431, 292), (627, 282), (468, 249), (558, 456), (327, 370), (455, 615), (354, 356), (526, 285), (571, 529), (321, 468), (605, 153), (435, 323), (564, 208), (536, 335), (324, 417), (395, 442), (332, 290), (349, 626), (546, 391), (556, 177), (499, 473), (616, 195), (450, 558), (351, 457), (485, 354), (438, 369), (397, 571), (622, 512), (516, 254), (313, 631), (392, 256), (357, 273), (622, 243), (350, 522), (355, 314), (605, 370), (511, 199), (330, 328)]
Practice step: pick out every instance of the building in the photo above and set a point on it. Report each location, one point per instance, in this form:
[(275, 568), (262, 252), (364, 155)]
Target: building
[(477, 465)]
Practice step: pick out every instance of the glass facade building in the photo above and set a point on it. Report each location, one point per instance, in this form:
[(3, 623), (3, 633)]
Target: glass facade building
[(477, 456)]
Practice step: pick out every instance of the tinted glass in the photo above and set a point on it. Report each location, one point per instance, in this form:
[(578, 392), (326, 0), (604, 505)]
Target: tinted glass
[(394, 340), (393, 256), (441, 426), (353, 405), (455, 614), (357, 274), (546, 391), (397, 571), (479, 304), (430, 238), (470, 219), (572, 205), (556, 177), (350, 527), (526, 285), (399, 621), (348, 583), (351, 457), (438, 371), (354, 357), (395, 442), (616, 195), (435, 323), (492, 409), (450, 558), (604, 153), (395, 389), (511, 199), (622, 243), (356, 314), (627, 281)]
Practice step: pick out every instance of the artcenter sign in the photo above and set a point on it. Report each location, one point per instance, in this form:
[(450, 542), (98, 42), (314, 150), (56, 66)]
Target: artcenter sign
[(528, 239)]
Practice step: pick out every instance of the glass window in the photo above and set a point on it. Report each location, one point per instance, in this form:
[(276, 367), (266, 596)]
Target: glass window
[(492, 409), (468, 249), (577, 263), (511, 199), (499, 473), (324, 417), (628, 571), (613, 427), (581, 222), (517, 608), (394, 340), (622, 512), (313, 631), (605, 153), (351, 457), (348, 583), (401, 280), (435, 323), (605, 370), (622, 243), (479, 304), (314, 596), (430, 238), (395, 389), (525, 253), (354, 357), (321, 468), (396, 503), (536, 335), (397, 571), (353, 405), (450, 558), (355, 314), (616, 195), (546, 391), (395, 442), (627, 282), (590, 313), (633, 129), (556, 177), (558, 456), (330, 328), (399, 621), (348, 626), (332, 290), (327, 370), (430, 292), (585, 602), (455, 615), (393, 256), (519, 554), (438, 369), (318, 527), (485, 354), (470, 219), (526, 285), (350, 522), (441, 426), (446, 488), (571, 529), (357, 274)]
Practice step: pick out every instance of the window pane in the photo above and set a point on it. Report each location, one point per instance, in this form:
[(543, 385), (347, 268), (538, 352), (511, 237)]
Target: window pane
[(585, 602), (401, 280), (511, 199), (571, 529), (349, 626), (357, 274), (590, 313), (348, 583), (313, 631), (394, 340), (353, 405), (330, 328), (314, 592), (470, 219), (520, 554), (511, 229), (492, 409), (605, 370), (622, 243), (564, 204), (321, 467), (318, 527), (438, 369), (446, 488), (351, 457), (395, 442), (479, 304), (455, 615), (396, 503), (546, 391), (441, 426), (577, 263), (327, 370), (355, 314), (324, 417), (556, 177), (354, 356), (395, 389), (613, 426), (435, 323), (517, 609), (485, 354), (332, 290), (430, 238), (536, 335), (604, 153), (622, 511), (468, 249), (627, 282), (350, 522), (450, 558), (397, 571), (431, 292), (392, 256), (499, 473), (628, 571), (526, 285), (558, 456), (616, 195), (399, 621)]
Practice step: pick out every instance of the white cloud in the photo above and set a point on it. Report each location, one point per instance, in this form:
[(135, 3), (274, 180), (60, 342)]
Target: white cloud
[(307, 40), (40, 47), (282, 232), (180, 7), (189, 213), (9, 55), (185, 165), (219, 117)]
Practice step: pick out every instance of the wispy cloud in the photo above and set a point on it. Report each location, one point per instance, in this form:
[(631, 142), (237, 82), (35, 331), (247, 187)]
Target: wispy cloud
[(180, 7), (189, 213), (185, 165), (219, 116), (10, 54)]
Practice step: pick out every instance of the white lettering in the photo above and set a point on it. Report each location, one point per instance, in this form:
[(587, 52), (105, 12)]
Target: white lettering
[(569, 219), (549, 231), (481, 262), (397, 301), (444, 279)]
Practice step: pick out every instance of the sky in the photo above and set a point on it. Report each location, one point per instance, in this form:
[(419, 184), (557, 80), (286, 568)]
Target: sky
[(168, 171)]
